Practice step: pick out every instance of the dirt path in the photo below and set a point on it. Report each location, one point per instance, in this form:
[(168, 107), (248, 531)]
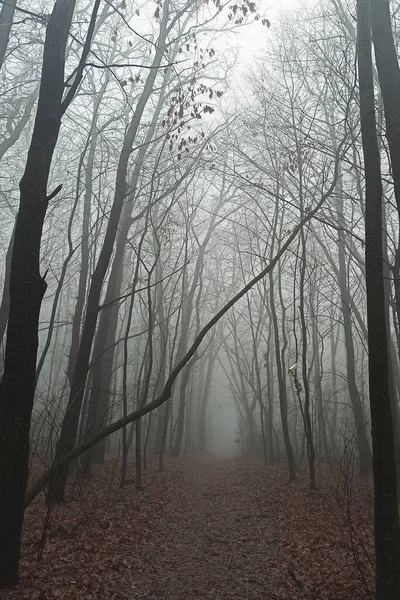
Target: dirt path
[(203, 529), (228, 535), (210, 545)]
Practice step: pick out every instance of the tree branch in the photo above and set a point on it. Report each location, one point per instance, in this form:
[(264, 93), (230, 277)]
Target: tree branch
[(167, 390)]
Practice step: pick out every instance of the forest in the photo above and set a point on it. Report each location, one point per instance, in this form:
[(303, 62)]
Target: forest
[(200, 300)]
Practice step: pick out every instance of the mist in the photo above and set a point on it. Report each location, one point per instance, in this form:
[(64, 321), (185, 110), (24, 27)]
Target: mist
[(200, 312)]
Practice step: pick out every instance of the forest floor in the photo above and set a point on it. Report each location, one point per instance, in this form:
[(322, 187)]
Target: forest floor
[(204, 528)]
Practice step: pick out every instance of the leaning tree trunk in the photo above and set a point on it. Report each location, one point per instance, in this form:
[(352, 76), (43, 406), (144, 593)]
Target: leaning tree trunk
[(27, 288), (105, 340), (386, 515)]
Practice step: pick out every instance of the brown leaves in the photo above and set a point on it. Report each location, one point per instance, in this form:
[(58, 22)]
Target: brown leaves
[(203, 529)]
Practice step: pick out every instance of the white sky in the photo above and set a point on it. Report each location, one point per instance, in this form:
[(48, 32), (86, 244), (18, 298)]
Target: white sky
[(255, 35)]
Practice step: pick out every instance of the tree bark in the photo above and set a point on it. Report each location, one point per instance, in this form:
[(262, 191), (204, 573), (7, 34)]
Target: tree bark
[(27, 288), (386, 516), (283, 403), (6, 19)]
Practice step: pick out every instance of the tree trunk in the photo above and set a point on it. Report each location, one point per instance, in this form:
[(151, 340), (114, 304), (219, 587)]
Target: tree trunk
[(386, 516), (6, 19), (5, 299), (27, 288), (181, 411), (202, 425), (283, 404), (308, 428), (68, 433)]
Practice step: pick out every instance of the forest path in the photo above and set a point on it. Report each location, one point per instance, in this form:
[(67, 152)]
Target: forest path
[(236, 530), (204, 528), (212, 542)]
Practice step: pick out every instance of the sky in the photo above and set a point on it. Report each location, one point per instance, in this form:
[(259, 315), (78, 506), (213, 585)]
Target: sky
[(254, 36)]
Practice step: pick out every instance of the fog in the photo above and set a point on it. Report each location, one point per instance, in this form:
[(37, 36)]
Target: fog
[(199, 246)]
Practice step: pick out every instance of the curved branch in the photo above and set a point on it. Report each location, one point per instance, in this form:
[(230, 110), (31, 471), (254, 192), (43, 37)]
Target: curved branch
[(167, 390)]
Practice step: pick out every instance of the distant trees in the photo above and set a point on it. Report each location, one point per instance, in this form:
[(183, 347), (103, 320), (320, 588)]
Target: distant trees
[(174, 129)]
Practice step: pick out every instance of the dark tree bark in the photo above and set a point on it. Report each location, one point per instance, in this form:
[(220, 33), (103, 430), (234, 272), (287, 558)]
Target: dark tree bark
[(388, 69), (355, 398), (386, 516), (27, 288), (5, 299), (389, 80)]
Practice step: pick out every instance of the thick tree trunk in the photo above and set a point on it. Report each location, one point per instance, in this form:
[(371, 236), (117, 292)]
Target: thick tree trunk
[(355, 398), (386, 516), (389, 79), (27, 288), (5, 299)]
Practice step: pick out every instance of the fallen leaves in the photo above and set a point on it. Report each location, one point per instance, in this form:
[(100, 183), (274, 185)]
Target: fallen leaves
[(203, 528)]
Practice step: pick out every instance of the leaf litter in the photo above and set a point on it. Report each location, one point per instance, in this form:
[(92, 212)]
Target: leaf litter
[(203, 528)]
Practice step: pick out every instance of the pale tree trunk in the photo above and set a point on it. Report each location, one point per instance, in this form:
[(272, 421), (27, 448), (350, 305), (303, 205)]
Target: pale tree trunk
[(308, 428), (205, 397), (6, 18), (283, 400)]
